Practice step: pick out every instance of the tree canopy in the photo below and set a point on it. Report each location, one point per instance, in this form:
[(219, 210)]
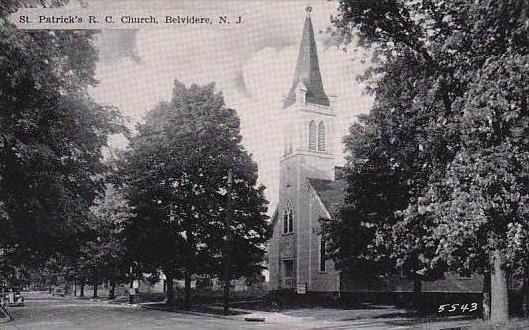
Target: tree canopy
[(51, 136), (188, 213), (449, 130)]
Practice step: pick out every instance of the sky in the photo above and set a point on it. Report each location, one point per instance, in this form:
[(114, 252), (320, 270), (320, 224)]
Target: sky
[(253, 66)]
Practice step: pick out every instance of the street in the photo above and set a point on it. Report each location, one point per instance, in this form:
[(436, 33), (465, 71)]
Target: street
[(42, 312)]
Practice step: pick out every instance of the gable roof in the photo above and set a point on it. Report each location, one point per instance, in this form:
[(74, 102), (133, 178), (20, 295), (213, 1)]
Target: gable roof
[(331, 193), (308, 69)]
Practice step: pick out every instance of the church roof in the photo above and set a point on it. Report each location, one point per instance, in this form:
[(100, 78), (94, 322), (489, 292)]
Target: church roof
[(331, 193), (308, 69)]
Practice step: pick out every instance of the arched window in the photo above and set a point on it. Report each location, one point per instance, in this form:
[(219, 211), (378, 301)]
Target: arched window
[(321, 136), (285, 222), (288, 219), (312, 135)]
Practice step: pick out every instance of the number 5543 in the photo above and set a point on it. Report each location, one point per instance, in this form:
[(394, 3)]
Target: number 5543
[(452, 308)]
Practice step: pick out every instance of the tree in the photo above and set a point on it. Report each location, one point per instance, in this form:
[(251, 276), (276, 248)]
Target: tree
[(449, 84), (188, 218), (113, 213), (237, 241), (487, 182), (51, 136), (103, 256), (373, 195)]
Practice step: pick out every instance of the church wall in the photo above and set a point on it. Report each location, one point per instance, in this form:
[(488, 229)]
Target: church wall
[(396, 283), (273, 259), (327, 280), (304, 236), (283, 246)]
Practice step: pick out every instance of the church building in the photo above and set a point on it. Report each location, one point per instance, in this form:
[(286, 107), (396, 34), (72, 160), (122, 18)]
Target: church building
[(311, 187)]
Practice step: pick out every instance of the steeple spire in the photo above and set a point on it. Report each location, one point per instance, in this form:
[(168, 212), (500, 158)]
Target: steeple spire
[(308, 69)]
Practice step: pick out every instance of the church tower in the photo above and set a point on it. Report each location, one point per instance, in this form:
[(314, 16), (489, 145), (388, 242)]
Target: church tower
[(308, 154), (307, 148)]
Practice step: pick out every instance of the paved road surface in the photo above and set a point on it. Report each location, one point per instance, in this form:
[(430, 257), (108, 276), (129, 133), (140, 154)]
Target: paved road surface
[(43, 312)]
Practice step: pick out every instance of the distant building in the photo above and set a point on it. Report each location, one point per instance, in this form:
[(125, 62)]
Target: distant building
[(311, 186)]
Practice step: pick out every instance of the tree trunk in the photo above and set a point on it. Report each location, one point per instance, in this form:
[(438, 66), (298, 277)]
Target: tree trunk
[(525, 292), (95, 290), (486, 296), (498, 290), (75, 288), (170, 289), (187, 290), (226, 291), (131, 291), (417, 292), (417, 286), (112, 291), (81, 293)]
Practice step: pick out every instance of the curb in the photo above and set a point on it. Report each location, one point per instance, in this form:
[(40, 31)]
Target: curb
[(215, 316)]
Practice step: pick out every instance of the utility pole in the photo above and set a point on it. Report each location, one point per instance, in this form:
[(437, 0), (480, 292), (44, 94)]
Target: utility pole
[(227, 273)]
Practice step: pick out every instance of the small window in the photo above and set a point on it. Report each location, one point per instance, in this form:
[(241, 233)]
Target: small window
[(321, 136), (312, 135), (322, 254)]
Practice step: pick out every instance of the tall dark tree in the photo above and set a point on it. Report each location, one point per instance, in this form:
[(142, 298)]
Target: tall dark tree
[(449, 80), (51, 136), (187, 214)]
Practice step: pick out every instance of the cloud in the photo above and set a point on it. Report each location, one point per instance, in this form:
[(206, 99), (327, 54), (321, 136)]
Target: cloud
[(121, 44)]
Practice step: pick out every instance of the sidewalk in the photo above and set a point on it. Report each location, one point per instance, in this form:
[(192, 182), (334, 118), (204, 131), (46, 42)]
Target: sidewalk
[(365, 317), (272, 318), (348, 319), (384, 317)]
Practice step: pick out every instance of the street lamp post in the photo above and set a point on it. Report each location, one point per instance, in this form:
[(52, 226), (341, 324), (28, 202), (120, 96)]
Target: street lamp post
[(227, 275)]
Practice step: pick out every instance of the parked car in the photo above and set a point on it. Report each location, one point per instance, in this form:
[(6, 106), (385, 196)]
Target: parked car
[(13, 298)]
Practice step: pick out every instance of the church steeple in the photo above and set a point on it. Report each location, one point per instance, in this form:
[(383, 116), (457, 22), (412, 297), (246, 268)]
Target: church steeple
[(308, 69)]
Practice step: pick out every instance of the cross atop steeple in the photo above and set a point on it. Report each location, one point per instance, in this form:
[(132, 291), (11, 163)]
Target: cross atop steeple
[(308, 69)]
